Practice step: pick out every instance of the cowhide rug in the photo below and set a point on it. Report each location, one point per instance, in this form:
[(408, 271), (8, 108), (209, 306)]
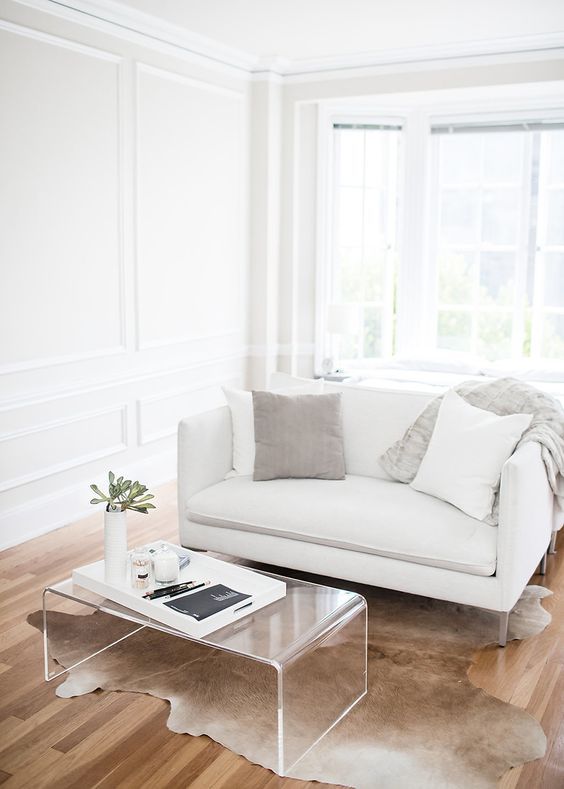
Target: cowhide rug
[(422, 724)]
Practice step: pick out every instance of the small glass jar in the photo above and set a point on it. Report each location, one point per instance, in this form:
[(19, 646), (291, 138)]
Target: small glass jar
[(140, 569), (165, 565)]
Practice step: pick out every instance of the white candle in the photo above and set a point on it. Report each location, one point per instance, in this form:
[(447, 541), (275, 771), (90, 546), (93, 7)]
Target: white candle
[(165, 565)]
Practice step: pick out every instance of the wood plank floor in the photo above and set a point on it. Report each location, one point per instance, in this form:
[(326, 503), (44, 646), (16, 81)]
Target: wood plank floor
[(121, 740)]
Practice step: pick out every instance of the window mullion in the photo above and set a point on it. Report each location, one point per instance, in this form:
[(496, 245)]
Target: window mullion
[(415, 284), (525, 243), (541, 232), (391, 244), (362, 339), (478, 253)]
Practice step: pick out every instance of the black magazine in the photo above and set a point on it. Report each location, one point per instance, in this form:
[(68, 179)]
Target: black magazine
[(200, 605)]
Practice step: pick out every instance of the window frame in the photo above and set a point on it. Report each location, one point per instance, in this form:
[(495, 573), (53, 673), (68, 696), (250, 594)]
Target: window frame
[(417, 273)]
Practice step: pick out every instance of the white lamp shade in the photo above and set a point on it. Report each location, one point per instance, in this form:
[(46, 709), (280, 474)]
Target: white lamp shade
[(343, 319)]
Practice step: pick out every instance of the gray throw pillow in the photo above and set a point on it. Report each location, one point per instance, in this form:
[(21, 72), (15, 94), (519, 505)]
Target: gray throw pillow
[(298, 436)]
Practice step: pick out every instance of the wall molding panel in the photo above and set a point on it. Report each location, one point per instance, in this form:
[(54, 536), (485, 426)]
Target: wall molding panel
[(168, 341), (43, 514), (119, 381), (194, 251), (117, 118), (92, 420), (91, 381), (182, 402)]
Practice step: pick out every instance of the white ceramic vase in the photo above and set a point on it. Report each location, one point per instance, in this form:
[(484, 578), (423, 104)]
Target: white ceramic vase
[(115, 547)]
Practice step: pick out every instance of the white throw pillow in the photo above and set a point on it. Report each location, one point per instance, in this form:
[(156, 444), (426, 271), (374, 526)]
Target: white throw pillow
[(242, 419), (466, 453)]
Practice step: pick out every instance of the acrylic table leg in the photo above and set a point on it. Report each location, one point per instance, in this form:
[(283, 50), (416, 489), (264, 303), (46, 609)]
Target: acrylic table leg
[(50, 676), (333, 669)]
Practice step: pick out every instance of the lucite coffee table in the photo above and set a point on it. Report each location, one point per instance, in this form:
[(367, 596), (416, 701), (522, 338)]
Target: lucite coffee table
[(289, 636)]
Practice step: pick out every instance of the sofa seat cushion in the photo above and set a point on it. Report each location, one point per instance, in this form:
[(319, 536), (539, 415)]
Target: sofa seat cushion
[(357, 514)]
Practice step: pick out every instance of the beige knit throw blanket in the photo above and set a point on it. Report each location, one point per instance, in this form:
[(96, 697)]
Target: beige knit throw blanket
[(503, 396)]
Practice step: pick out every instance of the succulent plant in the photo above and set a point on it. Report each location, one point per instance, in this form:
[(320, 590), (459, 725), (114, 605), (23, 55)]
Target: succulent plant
[(123, 494)]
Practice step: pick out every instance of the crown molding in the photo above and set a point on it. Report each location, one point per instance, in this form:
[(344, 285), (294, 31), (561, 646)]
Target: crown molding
[(514, 45), (149, 30)]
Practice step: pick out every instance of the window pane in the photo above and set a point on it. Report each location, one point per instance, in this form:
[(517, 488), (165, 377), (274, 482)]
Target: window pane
[(363, 235), (459, 216), (350, 217), (454, 330), (460, 158), (554, 279), (348, 347), (375, 218), (500, 216), (372, 332), (499, 208), (381, 153), (503, 157), (556, 157), (497, 278), (351, 158), (555, 225), (456, 278), (494, 335), (553, 339), (374, 274), (348, 285)]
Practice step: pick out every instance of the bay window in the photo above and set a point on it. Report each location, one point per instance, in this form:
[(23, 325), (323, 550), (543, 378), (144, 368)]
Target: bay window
[(486, 280)]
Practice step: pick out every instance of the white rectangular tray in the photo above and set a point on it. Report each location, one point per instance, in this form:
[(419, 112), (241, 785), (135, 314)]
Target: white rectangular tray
[(262, 588)]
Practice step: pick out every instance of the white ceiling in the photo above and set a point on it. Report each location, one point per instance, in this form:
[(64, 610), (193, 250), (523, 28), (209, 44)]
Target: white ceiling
[(310, 29)]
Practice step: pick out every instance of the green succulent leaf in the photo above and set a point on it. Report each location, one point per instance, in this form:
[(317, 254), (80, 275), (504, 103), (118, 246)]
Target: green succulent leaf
[(123, 494)]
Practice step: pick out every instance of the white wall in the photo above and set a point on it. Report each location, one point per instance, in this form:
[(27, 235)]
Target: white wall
[(123, 253)]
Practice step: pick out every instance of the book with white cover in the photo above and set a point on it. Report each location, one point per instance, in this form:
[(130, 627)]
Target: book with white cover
[(261, 590)]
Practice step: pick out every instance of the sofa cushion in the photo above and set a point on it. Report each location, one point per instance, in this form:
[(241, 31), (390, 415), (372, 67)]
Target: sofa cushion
[(358, 513), (372, 420)]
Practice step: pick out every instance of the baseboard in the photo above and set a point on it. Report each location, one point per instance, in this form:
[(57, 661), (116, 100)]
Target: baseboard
[(47, 513)]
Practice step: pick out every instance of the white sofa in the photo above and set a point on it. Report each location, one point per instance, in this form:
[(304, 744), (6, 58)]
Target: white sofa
[(366, 528)]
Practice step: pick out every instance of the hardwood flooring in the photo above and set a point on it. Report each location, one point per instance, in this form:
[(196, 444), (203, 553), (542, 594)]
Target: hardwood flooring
[(121, 740)]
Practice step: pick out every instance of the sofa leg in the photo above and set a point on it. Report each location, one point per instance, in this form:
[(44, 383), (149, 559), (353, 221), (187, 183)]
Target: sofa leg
[(542, 570), (552, 546), (503, 626)]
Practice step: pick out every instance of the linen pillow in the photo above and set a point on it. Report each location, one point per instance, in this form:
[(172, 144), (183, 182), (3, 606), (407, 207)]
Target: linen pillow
[(298, 436), (240, 403), (466, 454)]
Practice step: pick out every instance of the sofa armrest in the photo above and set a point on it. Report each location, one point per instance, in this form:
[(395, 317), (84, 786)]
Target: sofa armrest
[(205, 452), (526, 505)]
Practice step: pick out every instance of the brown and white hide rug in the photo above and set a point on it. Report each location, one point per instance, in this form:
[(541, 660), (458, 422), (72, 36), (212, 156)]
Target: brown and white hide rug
[(423, 724)]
